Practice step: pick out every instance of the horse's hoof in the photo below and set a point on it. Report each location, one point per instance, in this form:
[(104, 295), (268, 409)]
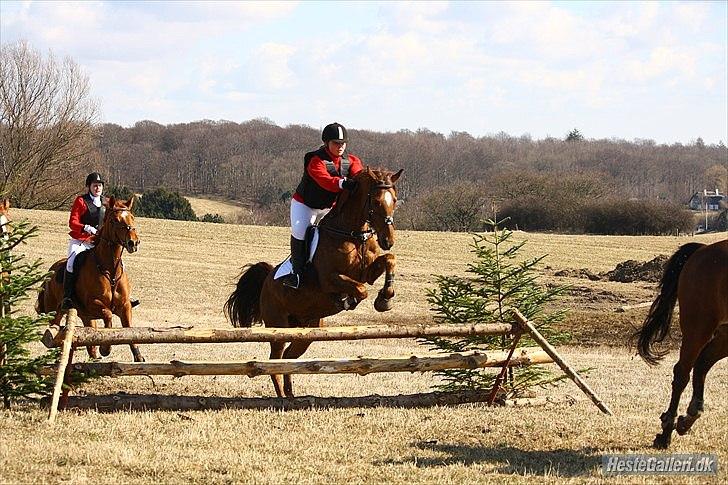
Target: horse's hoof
[(105, 350), (661, 442), (684, 423), (139, 359), (383, 304)]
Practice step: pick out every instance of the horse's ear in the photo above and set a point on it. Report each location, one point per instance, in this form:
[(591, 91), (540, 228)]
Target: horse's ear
[(396, 176), (110, 202), (130, 202)]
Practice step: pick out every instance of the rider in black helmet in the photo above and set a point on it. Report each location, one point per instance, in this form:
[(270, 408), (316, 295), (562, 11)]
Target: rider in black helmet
[(87, 215), (326, 172)]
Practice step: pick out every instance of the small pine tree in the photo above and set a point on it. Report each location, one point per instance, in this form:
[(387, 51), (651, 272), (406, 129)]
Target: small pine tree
[(19, 376), (497, 280)]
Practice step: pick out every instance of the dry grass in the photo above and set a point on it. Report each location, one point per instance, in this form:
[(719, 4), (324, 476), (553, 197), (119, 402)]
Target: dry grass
[(183, 273), (228, 210)]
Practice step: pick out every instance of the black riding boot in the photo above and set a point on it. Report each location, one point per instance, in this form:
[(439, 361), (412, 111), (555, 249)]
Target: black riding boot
[(298, 261), (69, 284)]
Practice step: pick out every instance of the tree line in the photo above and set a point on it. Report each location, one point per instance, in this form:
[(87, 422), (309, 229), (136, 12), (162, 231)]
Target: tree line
[(50, 137), (451, 182)]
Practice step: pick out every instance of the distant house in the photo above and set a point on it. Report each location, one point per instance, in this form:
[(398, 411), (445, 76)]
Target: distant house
[(707, 199)]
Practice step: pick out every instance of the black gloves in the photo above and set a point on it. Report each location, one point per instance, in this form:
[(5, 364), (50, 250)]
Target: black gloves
[(348, 184)]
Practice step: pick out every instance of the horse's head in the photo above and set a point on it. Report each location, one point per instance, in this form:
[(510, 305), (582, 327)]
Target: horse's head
[(5, 218), (381, 197), (118, 226)]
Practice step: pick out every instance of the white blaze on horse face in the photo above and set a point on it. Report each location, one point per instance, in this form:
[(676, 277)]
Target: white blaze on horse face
[(388, 199), (124, 214)]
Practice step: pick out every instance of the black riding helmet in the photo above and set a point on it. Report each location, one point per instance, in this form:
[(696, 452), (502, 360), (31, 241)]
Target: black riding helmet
[(94, 177), (334, 132)]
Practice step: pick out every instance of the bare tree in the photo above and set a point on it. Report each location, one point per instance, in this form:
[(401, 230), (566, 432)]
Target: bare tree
[(47, 126)]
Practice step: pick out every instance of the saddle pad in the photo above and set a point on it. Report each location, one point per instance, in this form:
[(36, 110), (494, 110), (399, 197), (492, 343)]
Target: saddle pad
[(286, 268)]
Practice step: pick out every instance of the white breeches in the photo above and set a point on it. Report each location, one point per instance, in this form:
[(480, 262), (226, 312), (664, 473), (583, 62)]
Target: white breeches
[(75, 247), (303, 217)]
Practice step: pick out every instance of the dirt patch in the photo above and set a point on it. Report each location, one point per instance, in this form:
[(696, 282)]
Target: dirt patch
[(630, 270), (578, 273), (625, 272)]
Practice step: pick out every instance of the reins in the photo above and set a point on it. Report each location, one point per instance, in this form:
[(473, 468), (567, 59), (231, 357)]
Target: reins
[(112, 277), (361, 237)]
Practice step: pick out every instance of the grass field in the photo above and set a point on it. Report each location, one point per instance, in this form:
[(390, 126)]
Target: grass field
[(183, 273)]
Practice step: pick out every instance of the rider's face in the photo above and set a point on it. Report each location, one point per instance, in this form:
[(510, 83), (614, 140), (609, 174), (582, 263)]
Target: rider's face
[(336, 147), (96, 189)]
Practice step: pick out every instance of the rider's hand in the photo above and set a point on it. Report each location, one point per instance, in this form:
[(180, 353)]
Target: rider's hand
[(348, 184), (90, 229)]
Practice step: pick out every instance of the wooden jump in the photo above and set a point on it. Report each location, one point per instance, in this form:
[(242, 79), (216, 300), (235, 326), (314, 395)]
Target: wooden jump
[(361, 366), (70, 337), (83, 336)]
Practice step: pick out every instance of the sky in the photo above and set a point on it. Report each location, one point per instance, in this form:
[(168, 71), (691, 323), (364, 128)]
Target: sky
[(624, 70)]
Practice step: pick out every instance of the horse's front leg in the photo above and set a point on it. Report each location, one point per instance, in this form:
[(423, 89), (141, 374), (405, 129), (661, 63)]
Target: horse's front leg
[(341, 284), (93, 351), (384, 263), (125, 317), (106, 315)]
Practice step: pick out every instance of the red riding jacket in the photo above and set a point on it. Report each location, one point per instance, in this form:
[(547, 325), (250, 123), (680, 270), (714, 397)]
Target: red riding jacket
[(317, 172), (83, 213)]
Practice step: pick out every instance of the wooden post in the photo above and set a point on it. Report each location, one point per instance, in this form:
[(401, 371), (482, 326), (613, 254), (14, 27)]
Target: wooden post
[(506, 365), (551, 351), (63, 363)]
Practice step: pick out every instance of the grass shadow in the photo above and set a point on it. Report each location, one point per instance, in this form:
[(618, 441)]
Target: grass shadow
[(145, 402), (509, 460)]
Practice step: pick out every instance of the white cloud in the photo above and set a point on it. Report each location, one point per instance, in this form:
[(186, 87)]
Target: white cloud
[(469, 66)]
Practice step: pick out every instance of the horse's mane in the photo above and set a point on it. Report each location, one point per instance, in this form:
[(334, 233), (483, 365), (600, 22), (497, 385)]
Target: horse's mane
[(368, 175)]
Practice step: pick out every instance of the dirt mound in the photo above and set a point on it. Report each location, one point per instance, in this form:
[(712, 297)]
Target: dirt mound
[(578, 273), (630, 270)]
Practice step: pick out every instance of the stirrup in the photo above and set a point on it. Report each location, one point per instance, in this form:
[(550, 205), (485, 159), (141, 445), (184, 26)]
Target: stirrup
[(292, 280)]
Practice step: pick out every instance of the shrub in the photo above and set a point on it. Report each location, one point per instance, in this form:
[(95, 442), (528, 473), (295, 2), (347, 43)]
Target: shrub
[(216, 218), (629, 217), (164, 204)]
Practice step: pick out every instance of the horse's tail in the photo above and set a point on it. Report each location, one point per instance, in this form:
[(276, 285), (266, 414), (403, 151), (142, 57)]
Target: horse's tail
[(659, 318), (243, 306)]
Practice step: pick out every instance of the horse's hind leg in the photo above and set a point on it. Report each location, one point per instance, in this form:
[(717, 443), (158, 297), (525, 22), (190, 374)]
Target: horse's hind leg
[(689, 351), (276, 352), (293, 351), (716, 350)]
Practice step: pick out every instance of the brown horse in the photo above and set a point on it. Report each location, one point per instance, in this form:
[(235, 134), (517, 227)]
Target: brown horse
[(351, 238), (102, 285), (696, 276)]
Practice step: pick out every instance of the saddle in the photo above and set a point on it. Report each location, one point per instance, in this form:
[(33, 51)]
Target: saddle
[(312, 238)]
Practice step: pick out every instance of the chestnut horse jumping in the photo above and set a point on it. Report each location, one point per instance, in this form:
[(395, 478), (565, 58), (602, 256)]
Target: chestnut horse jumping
[(696, 276), (102, 286), (351, 238)]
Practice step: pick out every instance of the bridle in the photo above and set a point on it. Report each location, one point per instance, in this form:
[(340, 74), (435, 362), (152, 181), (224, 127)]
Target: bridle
[(114, 222), (113, 279), (361, 237)]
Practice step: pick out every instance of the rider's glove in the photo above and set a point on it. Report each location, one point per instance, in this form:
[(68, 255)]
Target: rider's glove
[(347, 184), (89, 229)]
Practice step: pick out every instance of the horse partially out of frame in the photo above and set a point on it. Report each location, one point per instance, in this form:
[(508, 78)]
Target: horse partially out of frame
[(696, 277)]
